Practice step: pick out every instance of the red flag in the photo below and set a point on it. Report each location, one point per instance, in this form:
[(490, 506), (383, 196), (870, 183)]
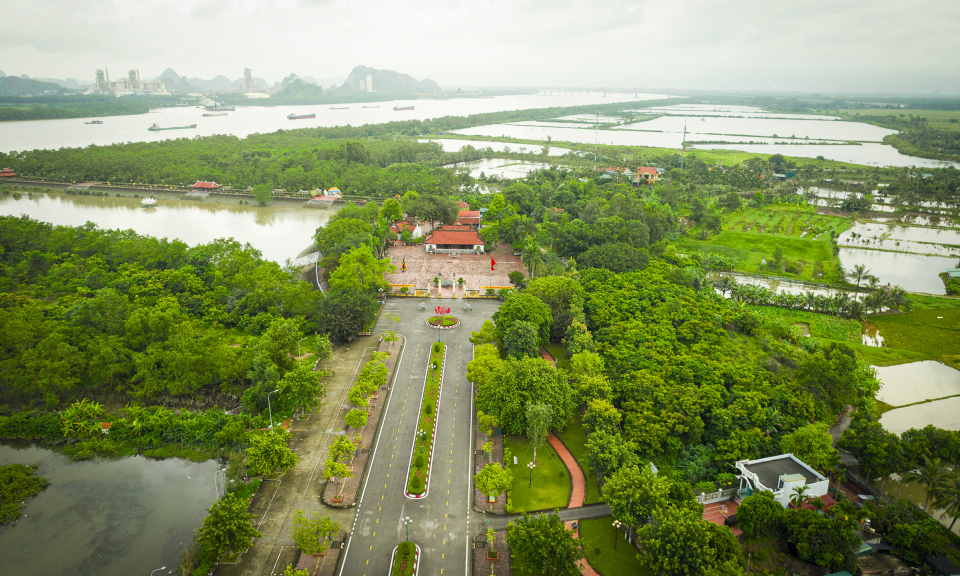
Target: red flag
[(403, 267), (492, 263)]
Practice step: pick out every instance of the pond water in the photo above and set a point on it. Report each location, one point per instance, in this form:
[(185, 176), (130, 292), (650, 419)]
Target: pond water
[(503, 168), (34, 134), (779, 285), (870, 335), (916, 382), (279, 231), (900, 232), (450, 145), (105, 518), (736, 111), (893, 485), (869, 153), (912, 272), (943, 414), (698, 128), (931, 220)]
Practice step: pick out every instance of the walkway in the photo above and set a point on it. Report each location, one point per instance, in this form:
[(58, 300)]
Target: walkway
[(577, 494)]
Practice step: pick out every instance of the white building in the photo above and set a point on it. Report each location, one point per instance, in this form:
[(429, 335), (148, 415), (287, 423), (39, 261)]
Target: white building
[(780, 475)]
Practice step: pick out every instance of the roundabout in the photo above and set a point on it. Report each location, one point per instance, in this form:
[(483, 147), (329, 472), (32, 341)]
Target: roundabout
[(443, 321)]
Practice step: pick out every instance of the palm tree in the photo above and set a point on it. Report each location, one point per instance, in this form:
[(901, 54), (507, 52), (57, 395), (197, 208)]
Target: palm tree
[(860, 272), (724, 284), (840, 302), (799, 493), (933, 475), (948, 499), (809, 300), (855, 310), (532, 257)]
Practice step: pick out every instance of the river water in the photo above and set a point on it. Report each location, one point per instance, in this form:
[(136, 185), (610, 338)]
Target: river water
[(52, 134), (279, 231), (104, 518)]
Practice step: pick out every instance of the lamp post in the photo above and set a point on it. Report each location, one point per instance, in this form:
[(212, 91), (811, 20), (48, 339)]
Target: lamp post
[(406, 521), (421, 433), (298, 345), (160, 568), (616, 526), (531, 466), (271, 408)]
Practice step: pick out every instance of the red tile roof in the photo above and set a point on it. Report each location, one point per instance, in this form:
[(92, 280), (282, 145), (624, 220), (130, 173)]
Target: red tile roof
[(403, 225), (207, 185), (646, 170), (455, 237), (7, 172), (463, 205), (469, 216)]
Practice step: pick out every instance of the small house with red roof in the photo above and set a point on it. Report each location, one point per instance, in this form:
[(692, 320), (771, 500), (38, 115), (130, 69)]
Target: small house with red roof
[(463, 205), (7, 173), (647, 174), (469, 217), (454, 240), (206, 185), (406, 226)]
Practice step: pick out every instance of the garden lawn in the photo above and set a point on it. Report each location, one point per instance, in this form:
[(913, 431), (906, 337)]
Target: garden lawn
[(821, 325), (598, 534), (559, 353), (934, 332), (575, 439), (551, 483)]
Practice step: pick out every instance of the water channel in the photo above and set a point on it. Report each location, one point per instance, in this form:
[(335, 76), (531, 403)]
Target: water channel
[(279, 231), (72, 132), (105, 518)]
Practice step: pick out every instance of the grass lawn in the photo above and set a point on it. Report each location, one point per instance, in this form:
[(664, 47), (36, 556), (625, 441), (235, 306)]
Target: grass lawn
[(750, 248), (575, 439), (551, 483), (936, 119), (820, 325), (598, 533), (427, 415), (559, 353)]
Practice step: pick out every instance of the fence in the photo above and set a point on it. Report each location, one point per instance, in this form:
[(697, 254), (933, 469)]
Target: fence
[(718, 496)]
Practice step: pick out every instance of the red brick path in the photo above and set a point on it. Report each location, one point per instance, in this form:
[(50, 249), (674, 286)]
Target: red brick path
[(577, 494)]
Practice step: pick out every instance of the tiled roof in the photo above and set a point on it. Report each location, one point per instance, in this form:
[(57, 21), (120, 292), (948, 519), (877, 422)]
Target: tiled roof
[(455, 237), (469, 216), (646, 170), (200, 184)]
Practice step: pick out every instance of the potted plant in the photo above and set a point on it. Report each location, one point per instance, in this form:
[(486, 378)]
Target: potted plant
[(460, 281), (492, 554)]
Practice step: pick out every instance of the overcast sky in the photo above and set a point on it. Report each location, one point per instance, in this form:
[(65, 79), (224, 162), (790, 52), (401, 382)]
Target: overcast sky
[(810, 45)]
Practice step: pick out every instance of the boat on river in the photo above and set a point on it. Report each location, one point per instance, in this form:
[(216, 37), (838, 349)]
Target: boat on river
[(208, 114), (371, 106), (339, 107), (401, 108), (148, 202), (157, 127), (300, 116), (94, 122)]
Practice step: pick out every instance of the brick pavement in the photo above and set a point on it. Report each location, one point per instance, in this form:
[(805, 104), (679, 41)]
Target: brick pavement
[(422, 268), (577, 494)]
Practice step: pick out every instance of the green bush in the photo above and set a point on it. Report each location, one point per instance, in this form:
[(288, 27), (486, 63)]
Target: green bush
[(428, 408), (406, 548), (436, 347), (416, 485), (419, 461)]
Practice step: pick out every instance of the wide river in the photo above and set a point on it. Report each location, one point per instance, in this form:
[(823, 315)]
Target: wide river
[(53, 134), (104, 518), (279, 231)]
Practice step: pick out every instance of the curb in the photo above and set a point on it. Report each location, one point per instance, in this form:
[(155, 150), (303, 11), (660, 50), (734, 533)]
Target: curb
[(429, 325), (416, 559), (433, 443)]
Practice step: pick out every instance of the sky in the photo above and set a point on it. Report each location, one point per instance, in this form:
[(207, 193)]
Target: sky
[(797, 45)]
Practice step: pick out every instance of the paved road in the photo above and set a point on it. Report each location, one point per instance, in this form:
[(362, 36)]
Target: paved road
[(442, 520)]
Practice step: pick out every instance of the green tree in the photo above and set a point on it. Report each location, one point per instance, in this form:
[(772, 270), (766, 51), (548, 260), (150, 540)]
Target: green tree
[(813, 445), (679, 542), (543, 545), (346, 312), (760, 515), (608, 453), (948, 499), (486, 360), (391, 210), (559, 293), (486, 334), (493, 480), (268, 452), (933, 476), (323, 349), (360, 270), (877, 451), (356, 418), (635, 493), (302, 386), (616, 257), (515, 383), (538, 424), (263, 193), (522, 306), (601, 415), (858, 273), (311, 534), (520, 340), (339, 232), (228, 526)]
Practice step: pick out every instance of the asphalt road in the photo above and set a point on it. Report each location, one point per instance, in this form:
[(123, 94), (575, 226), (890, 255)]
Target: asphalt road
[(441, 521)]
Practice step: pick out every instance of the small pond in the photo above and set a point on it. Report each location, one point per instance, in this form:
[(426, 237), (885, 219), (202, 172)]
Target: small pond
[(916, 382)]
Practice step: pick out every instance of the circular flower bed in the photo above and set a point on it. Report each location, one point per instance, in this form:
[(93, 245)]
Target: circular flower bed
[(447, 321)]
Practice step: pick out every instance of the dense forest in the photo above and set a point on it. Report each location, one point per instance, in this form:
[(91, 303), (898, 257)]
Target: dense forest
[(77, 106)]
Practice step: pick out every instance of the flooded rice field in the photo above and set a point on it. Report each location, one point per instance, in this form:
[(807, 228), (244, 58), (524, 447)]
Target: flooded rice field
[(700, 127), (916, 382), (912, 272), (943, 414), (733, 111), (870, 335), (501, 168), (451, 145)]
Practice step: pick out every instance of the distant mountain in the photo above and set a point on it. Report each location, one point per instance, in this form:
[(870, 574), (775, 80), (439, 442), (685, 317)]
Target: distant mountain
[(71, 83), (2, 75), (16, 86), (387, 81), (299, 88), (219, 84)]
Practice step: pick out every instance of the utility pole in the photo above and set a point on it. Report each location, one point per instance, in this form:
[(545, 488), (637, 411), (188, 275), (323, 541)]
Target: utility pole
[(596, 144)]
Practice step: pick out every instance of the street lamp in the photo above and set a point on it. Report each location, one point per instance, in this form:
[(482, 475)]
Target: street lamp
[(531, 466), (406, 521), (298, 345), (270, 408), (421, 433), (616, 526), (160, 568)]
